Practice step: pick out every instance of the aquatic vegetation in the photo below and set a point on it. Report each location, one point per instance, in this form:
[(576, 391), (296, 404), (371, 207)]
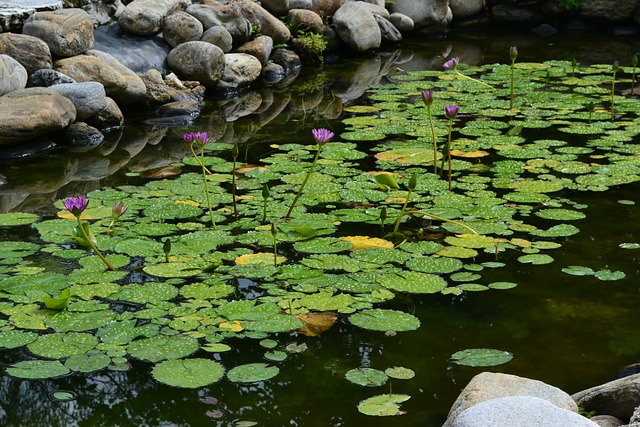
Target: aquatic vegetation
[(513, 54), (614, 69), (118, 210), (451, 111), (201, 139), (452, 64), (427, 97)]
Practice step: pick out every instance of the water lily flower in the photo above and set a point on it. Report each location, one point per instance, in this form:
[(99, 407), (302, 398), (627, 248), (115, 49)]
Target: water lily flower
[(513, 53), (200, 137), (322, 135), (451, 64), (451, 111), (427, 97), (118, 210), (76, 205)]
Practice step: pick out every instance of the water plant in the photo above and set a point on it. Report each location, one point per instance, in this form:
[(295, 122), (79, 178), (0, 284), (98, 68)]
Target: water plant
[(452, 64), (234, 155), (427, 97), (201, 139), (321, 136), (451, 111), (265, 196), (614, 70), (118, 210), (513, 54), (82, 231), (411, 186), (634, 63)]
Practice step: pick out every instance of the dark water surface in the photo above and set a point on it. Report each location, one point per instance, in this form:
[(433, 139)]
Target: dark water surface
[(571, 332)]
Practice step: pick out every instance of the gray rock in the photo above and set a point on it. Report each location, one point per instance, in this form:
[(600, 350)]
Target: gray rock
[(288, 60), (260, 47), (47, 77), (67, 32), (465, 8), (89, 98), (230, 17), (619, 398), (199, 61), (81, 137), (377, 10), (272, 73), (28, 113), (13, 13), (269, 25), (401, 21), (145, 17), (306, 20), (517, 14), (519, 411), (31, 52), (180, 27), (489, 385), (120, 83), (608, 10), (424, 14), (13, 76), (606, 421), (387, 30), (276, 7), (110, 117), (357, 27), (219, 36), (325, 7), (240, 69)]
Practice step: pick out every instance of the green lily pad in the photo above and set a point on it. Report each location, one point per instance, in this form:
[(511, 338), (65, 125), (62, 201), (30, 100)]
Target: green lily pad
[(384, 405), (88, 362), (188, 373), (400, 373), (560, 214), (481, 357), (276, 355), (578, 270), (412, 282), (16, 338), (385, 320), (37, 369), (252, 372), (17, 218), (536, 259), (629, 245), (608, 275), (60, 345), (367, 377), (502, 285), (162, 347)]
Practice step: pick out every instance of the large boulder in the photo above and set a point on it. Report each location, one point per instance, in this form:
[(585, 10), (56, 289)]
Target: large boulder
[(465, 8), (268, 24), (260, 47), (608, 10), (67, 32), (219, 36), (199, 61), (28, 113), (89, 98), (31, 52), (424, 14), (357, 27), (619, 398), (13, 13), (145, 17), (519, 411), (180, 27), (13, 76), (240, 69), (230, 17), (490, 385), (120, 83)]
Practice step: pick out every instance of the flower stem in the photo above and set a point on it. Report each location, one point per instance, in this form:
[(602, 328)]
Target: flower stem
[(306, 178), (449, 151), (95, 249), (613, 85), (512, 86), (435, 144), (404, 207), (475, 80), (206, 186)]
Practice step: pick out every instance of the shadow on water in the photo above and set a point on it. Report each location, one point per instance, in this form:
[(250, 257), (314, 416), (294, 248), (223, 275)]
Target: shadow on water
[(572, 332)]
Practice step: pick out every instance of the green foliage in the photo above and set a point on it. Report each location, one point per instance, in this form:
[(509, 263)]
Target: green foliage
[(313, 45), (570, 5)]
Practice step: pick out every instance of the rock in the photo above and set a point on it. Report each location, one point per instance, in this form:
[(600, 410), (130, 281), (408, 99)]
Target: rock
[(387, 30), (608, 10), (288, 60), (619, 398), (110, 117), (13, 13), (423, 14), (276, 7), (103, 12), (272, 73), (377, 10), (219, 36), (326, 7), (47, 77), (82, 137), (180, 27), (31, 52), (268, 24), (189, 108), (28, 113), (606, 421), (632, 369), (260, 47), (67, 32), (240, 69), (402, 22), (120, 83), (489, 385), (357, 27), (170, 89), (89, 98), (519, 411), (230, 17), (465, 8), (306, 20), (199, 61), (517, 14), (13, 76), (145, 17)]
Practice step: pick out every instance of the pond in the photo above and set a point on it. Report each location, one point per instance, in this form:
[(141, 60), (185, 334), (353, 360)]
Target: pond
[(551, 280)]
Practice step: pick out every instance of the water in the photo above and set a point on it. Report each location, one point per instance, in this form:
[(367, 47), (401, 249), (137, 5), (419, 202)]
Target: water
[(571, 332)]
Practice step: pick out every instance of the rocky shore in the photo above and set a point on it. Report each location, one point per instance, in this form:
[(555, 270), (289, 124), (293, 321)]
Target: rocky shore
[(60, 86)]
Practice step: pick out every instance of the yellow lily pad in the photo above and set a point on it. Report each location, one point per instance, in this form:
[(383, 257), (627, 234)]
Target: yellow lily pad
[(366, 242)]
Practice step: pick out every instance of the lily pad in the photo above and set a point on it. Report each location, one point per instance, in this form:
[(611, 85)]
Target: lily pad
[(384, 405), (188, 373), (400, 373), (162, 347), (378, 319), (367, 377), (481, 357), (37, 369), (252, 372)]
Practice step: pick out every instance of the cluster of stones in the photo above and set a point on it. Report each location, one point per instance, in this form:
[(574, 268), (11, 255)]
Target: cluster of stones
[(496, 400), (53, 82)]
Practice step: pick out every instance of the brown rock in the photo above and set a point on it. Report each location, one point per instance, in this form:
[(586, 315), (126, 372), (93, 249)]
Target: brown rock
[(67, 32), (31, 52)]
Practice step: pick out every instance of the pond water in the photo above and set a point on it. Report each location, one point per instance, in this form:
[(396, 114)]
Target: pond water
[(570, 331)]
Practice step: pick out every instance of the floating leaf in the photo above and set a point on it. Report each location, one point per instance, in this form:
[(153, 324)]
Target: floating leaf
[(17, 218), (608, 275), (188, 373), (536, 259), (578, 270), (252, 372), (161, 347), (400, 373), (413, 282), (367, 377), (60, 345), (383, 405), (37, 369), (59, 303), (385, 320), (88, 362), (15, 338), (481, 357), (629, 245)]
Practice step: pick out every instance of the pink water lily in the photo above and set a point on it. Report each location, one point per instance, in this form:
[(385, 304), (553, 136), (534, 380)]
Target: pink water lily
[(322, 135), (76, 205), (118, 210), (199, 137), (427, 97), (451, 64), (451, 111)]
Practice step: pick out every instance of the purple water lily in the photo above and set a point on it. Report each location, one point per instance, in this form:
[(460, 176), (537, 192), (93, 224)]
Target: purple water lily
[(199, 137), (513, 53), (76, 205), (322, 135), (118, 210), (451, 64), (427, 97), (451, 111)]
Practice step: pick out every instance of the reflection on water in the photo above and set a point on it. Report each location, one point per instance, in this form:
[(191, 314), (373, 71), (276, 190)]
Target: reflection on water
[(568, 331)]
